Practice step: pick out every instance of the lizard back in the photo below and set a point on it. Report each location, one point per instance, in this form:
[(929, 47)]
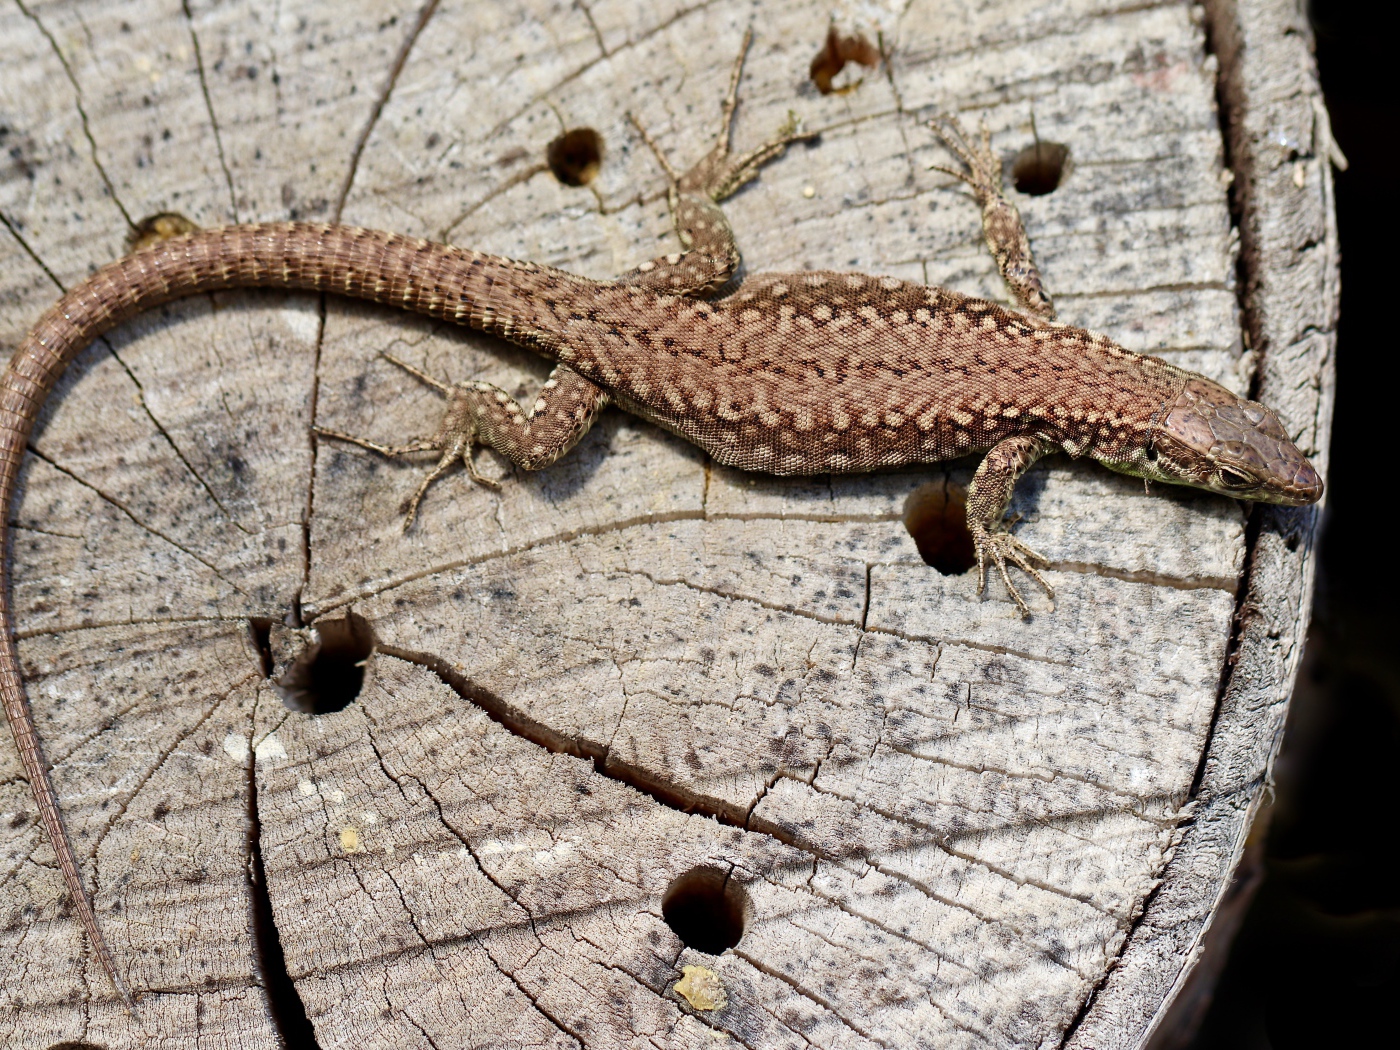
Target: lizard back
[(837, 372)]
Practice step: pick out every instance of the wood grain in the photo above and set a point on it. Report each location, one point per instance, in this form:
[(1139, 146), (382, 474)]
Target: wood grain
[(947, 823)]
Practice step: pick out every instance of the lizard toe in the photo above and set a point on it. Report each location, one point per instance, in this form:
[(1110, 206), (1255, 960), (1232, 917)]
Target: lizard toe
[(1001, 548)]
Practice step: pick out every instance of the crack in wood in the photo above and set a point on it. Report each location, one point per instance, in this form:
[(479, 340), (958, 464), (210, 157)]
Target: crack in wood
[(390, 81), (209, 108), (284, 1002), (28, 250), (677, 799), (112, 501), (82, 112), (169, 440), (553, 89)]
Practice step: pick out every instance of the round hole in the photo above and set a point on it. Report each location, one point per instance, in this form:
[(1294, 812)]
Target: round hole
[(707, 909), (576, 156), (156, 228), (936, 516), (330, 673), (836, 51), (1038, 169)]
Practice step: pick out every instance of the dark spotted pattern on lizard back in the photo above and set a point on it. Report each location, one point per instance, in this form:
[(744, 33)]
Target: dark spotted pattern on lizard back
[(836, 372)]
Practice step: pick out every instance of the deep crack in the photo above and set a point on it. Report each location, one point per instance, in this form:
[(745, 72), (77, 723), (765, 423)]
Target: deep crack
[(284, 1002)]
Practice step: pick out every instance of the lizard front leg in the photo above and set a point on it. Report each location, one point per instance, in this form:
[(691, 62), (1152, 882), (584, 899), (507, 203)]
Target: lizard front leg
[(987, 500), (1002, 227), (484, 414)]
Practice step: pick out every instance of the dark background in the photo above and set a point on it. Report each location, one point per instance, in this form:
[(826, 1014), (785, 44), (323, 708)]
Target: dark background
[(1317, 960)]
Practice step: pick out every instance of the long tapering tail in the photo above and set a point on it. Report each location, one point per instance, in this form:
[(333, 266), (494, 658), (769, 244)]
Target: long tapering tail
[(417, 275)]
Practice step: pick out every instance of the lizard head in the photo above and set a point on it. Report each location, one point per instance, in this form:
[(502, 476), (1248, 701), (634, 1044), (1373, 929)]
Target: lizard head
[(1212, 439)]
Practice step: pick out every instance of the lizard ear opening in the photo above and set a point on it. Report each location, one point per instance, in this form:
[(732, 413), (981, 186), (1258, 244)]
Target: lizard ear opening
[(330, 672)]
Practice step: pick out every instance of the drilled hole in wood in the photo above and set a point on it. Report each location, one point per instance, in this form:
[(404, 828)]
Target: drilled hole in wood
[(837, 50), (576, 156), (156, 228), (936, 516), (70, 1045), (1038, 169), (260, 634), (706, 909), (330, 673)]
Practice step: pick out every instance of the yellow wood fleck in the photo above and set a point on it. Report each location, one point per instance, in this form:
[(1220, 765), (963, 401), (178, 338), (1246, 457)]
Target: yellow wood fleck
[(701, 988)]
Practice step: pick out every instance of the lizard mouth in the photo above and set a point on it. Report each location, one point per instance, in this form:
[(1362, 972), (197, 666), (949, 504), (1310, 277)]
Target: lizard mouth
[(1304, 487)]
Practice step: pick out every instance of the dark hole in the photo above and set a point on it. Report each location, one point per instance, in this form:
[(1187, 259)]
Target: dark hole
[(260, 631), (832, 58), (1038, 169), (72, 1045), (706, 909), (156, 228), (329, 674), (936, 517), (576, 156)]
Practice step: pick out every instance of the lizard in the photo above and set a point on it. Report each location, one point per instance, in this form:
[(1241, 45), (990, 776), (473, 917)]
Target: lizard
[(799, 373)]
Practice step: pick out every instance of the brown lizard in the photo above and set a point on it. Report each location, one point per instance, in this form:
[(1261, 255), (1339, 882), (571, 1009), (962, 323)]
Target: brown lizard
[(799, 373)]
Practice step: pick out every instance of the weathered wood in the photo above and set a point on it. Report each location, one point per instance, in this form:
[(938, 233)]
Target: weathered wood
[(1281, 149), (951, 828)]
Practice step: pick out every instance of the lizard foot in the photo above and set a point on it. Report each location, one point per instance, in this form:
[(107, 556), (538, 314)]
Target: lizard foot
[(1000, 548), (1001, 221), (718, 175), (455, 439), (981, 169)]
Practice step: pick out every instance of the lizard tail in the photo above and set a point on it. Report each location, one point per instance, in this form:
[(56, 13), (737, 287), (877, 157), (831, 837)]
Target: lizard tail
[(414, 274)]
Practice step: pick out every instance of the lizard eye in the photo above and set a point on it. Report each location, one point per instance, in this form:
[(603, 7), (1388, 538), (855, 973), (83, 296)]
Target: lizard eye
[(1235, 479)]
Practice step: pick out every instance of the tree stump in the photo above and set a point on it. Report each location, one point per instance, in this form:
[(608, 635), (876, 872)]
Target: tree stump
[(649, 752)]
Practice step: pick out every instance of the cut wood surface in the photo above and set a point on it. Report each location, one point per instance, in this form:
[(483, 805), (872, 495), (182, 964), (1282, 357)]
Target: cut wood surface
[(939, 825)]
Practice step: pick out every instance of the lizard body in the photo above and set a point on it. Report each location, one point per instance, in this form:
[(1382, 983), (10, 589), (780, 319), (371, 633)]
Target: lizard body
[(804, 373)]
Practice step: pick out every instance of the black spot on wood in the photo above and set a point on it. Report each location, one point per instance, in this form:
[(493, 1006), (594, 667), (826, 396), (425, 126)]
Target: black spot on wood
[(575, 156), (837, 50), (936, 516), (1039, 168), (328, 676)]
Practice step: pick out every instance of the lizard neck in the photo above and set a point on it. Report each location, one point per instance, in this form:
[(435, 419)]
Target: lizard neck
[(1133, 392)]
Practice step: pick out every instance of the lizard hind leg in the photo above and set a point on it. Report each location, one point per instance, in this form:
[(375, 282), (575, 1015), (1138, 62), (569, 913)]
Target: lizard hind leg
[(711, 255), (484, 414), (455, 438)]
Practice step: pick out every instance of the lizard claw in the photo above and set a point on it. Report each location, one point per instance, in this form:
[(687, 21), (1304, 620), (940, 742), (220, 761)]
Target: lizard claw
[(981, 168), (1000, 548)]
